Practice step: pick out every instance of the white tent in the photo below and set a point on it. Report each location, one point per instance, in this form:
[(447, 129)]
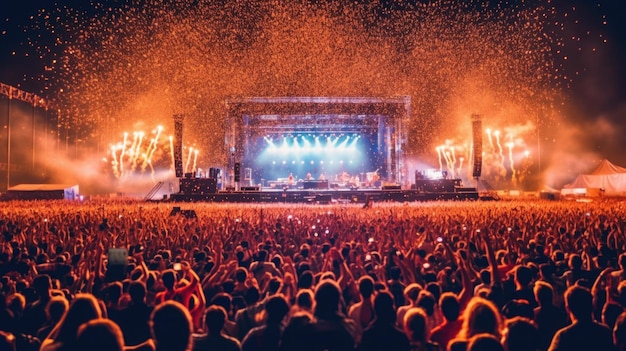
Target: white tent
[(607, 179), (43, 192)]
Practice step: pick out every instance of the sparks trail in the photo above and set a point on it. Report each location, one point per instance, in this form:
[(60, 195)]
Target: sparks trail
[(497, 166), (130, 158), (452, 57)]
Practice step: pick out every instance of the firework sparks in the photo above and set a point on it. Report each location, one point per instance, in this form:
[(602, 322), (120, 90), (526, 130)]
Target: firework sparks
[(488, 131), (122, 61), (154, 145), (173, 164), (195, 160), (500, 149), (509, 146), (497, 166), (114, 162), (138, 152), (439, 151), (123, 152), (189, 155), (134, 157)]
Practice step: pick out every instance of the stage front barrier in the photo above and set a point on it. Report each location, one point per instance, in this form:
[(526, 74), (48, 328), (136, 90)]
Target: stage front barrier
[(322, 192), (437, 185), (315, 184), (198, 186)]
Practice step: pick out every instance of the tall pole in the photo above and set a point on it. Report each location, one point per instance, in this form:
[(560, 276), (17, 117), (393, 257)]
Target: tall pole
[(45, 128), (539, 143), (67, 140), (9, 142), (178, 145), (33, 128), (477, 148), (58, 121)]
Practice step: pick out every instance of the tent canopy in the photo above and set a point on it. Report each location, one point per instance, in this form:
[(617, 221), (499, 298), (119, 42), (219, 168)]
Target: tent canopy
[(42, 191), (609, 178), (607, 168)]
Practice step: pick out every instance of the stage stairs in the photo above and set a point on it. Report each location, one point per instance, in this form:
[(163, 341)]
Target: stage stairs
[(155, 189), (485, 191)]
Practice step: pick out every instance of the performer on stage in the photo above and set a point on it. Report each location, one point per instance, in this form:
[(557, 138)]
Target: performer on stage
[(375, 178), (322, 176), (355, 181), (345, 177), (308, 176), (290, 179)]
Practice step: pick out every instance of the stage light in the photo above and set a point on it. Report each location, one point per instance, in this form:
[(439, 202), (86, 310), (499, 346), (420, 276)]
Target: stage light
[(284, 162), (318, 145), (270, 142), (296, 146), (330, 144), (312, 162), (352, 146), (306, 144), (343, 144), (284, 148)]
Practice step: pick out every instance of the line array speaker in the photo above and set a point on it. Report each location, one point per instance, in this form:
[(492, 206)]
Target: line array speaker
[(477, 142)]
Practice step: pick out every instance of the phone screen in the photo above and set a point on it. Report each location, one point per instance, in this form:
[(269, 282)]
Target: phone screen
[(118, 256), (116, 266)]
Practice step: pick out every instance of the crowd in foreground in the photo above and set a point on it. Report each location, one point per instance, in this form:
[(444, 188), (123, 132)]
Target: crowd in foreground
[(475, 276)]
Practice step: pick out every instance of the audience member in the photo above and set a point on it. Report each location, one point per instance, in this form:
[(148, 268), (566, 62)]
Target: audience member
[(383, 333), (583, 333), (215, 338)]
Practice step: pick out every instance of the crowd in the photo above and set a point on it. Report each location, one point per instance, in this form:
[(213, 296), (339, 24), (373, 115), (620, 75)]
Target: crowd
[(127, 275)]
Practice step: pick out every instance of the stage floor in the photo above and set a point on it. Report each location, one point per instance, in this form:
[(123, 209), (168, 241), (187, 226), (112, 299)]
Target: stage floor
[(323, 195)]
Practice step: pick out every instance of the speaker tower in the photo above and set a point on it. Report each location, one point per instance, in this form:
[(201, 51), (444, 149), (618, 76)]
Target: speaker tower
[(477, 142), (178, 145)]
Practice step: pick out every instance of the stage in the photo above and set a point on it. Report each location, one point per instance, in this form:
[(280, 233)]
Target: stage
[(314, 150), (198, 191)]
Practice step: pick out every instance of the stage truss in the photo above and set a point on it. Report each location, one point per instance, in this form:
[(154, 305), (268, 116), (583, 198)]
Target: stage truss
[(381, 121)]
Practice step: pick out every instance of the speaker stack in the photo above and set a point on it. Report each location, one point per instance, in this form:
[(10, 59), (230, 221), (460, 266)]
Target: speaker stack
[(237, 172), (178, 145), (477, 142)]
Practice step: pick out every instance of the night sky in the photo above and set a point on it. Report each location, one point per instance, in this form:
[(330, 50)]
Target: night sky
[(595, 100)]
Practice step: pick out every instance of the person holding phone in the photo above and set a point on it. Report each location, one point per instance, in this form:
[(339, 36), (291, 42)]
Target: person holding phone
[(182, 285)]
